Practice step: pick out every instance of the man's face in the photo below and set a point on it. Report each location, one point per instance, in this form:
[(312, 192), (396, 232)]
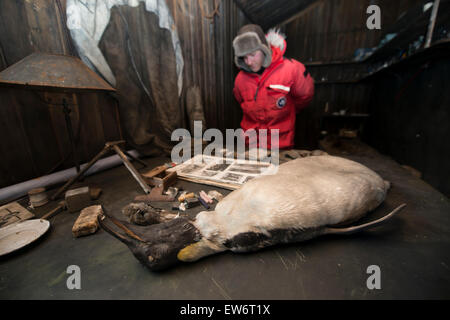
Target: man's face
[(254, 60)]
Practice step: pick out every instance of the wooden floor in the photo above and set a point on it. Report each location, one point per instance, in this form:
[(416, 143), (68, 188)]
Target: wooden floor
[(412, 252)]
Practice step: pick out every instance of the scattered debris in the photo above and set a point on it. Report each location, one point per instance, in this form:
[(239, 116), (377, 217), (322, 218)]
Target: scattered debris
[(77, 199), (171, 191), (292, 154), (144, 214), (38, 197), (205, 197), (87, 222), (61, 206), (215, 195), (191, 202), (185, 196), (203, 202), (95, 192), (346, 133), (156, 195), (13, 212), (176, 206)]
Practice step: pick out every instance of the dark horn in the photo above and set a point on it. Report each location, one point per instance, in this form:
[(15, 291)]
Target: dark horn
[(127, 240)]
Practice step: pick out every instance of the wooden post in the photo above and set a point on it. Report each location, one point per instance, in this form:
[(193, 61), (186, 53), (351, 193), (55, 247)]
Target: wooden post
[(133, 171), (431, 24)]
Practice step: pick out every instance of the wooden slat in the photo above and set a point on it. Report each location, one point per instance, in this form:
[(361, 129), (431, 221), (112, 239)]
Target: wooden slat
[(208, 63), (16, 161), (269, 13), (34, 134)]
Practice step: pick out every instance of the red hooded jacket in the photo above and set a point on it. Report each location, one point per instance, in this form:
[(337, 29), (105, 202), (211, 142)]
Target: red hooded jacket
[(272, 99)]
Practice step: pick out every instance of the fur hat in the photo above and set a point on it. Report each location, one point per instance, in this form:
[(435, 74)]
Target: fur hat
[(250, 38)]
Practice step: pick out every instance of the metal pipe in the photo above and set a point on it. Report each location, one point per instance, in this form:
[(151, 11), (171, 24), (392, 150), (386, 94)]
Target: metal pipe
[(16, 191)]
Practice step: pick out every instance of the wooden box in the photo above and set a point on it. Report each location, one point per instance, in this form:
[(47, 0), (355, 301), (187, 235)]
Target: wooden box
[(159, 176)]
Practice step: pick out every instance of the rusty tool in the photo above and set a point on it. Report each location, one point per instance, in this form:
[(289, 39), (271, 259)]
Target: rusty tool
[(156, 195), (60, 207)]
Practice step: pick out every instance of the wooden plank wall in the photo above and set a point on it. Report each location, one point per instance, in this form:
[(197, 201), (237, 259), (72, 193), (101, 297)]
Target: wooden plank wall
[(34, 139), (268, 13), (331, 31), (208, 55), (411, 105)]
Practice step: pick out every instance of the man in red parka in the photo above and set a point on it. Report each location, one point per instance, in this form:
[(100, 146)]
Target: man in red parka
[(270, 88)]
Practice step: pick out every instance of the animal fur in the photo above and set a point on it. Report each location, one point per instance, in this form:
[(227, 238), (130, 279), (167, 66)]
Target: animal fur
[(143, 214), (306, 198), (276, 38)]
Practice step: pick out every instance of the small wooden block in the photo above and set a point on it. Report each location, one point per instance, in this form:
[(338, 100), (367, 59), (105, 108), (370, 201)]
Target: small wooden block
[(77, 199), (86, 222), (94, 192)]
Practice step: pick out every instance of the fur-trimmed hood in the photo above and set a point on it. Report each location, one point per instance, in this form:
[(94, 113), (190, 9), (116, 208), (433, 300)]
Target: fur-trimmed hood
[(276, 38), (277, 41)]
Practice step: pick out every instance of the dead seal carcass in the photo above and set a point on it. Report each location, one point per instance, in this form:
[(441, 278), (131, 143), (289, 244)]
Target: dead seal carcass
[(303, 200)]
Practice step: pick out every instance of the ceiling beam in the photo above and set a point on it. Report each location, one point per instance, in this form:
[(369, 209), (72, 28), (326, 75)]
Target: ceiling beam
[(310, 6), (240, 5), (270, 13)]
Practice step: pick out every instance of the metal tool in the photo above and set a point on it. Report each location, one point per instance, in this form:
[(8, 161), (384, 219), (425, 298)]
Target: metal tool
[(156, 195), (61, 206)]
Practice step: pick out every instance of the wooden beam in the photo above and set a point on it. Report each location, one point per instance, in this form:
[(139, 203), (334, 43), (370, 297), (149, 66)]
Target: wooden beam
[(240, 5), (432, 22), (312, 5)]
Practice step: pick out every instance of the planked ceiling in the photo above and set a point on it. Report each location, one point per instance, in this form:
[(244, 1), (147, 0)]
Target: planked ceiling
[(269, 13)]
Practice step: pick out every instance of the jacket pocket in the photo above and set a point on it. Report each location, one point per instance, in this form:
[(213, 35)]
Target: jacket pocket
[(278, 101)]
